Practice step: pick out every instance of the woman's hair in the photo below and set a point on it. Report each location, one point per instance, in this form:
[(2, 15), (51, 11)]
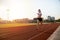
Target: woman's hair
[(39, 10)]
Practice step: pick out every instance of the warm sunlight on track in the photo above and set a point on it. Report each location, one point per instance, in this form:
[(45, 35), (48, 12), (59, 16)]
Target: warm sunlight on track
[(15, 25)]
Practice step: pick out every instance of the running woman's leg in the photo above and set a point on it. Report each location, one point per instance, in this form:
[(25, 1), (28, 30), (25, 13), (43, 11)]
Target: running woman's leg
[(37, 24)]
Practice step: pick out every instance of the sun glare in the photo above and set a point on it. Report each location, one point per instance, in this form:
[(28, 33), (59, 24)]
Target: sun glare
[(16, 10)]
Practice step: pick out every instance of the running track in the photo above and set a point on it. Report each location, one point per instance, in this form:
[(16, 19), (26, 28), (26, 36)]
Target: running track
[(28, 32)]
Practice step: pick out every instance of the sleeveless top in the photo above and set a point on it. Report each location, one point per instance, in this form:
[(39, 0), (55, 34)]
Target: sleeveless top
[(39, 15)]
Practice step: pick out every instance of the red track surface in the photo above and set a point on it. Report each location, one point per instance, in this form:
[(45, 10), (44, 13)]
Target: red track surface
[(27, 32)]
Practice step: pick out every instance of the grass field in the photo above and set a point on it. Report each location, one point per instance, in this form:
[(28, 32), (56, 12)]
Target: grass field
[(15, 25)]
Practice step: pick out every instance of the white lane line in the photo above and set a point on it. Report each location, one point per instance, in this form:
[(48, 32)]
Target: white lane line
[(38, 35), (55, 35)]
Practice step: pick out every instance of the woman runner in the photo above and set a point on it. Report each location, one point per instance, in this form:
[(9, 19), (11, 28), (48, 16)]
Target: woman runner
[(39, 18)]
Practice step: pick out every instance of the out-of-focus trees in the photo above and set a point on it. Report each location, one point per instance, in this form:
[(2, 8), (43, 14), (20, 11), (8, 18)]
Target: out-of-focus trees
[(58, 20), (0, 20), (24, 20)]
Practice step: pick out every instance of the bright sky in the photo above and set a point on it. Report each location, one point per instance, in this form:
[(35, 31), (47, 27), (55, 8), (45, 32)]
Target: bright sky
[(17, 9)]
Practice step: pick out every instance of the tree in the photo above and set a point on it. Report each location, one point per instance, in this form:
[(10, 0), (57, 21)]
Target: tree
[(58, 20)]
